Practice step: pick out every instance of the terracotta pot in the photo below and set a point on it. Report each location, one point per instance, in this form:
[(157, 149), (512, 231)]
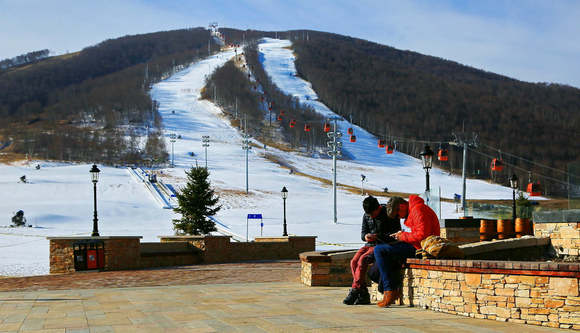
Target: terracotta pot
[(487, 229), (505, 229), (522, 227)]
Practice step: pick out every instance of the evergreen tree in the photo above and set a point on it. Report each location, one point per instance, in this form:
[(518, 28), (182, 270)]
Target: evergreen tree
[(196, 202)]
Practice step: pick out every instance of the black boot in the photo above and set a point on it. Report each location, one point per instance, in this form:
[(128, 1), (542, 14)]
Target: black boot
[(351, 297), (363, 297)]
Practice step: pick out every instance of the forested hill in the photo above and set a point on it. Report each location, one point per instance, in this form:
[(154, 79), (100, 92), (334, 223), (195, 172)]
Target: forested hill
[(77, 106), (406, 94)]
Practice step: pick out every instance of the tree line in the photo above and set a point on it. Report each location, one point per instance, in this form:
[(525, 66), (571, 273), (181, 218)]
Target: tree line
[(264, 114), (23, 59)]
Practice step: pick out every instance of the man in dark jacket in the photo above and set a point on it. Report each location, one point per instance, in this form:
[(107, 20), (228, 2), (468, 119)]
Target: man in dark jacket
[(423, 222), (376, 228)]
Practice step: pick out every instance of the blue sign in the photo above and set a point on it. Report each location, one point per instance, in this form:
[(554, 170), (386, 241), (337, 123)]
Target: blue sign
[(254, 216)]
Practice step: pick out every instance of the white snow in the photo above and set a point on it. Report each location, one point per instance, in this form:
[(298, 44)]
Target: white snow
[(58, 199)]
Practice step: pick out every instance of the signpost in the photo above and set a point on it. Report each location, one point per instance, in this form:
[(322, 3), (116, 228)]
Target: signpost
[(254, 217)]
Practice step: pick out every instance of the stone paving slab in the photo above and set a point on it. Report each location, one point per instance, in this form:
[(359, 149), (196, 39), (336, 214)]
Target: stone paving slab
[(234, 307)]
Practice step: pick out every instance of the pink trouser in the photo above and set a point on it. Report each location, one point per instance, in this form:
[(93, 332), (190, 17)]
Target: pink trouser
[(358, 266)]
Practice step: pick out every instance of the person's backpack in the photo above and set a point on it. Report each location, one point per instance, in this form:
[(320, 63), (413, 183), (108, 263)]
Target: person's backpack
[(441, 248)]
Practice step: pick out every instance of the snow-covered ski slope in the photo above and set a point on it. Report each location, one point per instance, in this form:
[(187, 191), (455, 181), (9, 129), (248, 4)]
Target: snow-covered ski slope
[(58, 201), (398, 172), (59, 197)]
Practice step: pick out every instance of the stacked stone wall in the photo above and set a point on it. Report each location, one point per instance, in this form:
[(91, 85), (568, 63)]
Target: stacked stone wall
[(564, 237), (545, 294)]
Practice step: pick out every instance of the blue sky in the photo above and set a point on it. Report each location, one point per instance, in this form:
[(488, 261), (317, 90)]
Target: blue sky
[(537, 41)]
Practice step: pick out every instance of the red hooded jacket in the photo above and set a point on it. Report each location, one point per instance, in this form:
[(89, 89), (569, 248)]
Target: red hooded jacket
[(422, 221)]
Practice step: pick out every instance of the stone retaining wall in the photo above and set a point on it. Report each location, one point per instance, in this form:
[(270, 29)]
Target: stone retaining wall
[(218, 249), (120, 252), (565, 237), (539, 293), (123, 253), (169, 254)]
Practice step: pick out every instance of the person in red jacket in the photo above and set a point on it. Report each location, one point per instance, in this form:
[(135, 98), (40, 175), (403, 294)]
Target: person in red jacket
[(423, 222)]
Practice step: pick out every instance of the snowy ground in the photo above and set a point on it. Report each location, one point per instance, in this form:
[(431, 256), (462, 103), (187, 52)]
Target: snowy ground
[(59, 198)]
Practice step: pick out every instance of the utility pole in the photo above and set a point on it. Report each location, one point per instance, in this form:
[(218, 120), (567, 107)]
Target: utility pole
[(205, 144), (334, 151)]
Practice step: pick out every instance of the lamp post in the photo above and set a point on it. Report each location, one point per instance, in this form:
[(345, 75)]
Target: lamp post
[(514, 186), (95, 176), (362, 180), (427, 159), (284, 196)]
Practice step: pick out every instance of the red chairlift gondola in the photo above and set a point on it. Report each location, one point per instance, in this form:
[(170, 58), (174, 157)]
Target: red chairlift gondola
[(443, 155), (496, 165), (353, 138), (306, 128), (381, 143), (292, 123), (389, 149), (350, 131), (534, 189), (279, 117), (326, 127)]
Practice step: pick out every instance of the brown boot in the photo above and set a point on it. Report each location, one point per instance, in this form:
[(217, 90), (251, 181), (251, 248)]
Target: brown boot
[(389, 297)]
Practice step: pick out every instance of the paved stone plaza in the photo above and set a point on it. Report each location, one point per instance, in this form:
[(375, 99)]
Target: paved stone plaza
[(246, 307)]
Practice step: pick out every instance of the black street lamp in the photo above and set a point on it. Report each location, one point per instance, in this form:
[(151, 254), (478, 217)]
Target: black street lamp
[(514, 186), (284, 196), (427, 159), (95, 176)]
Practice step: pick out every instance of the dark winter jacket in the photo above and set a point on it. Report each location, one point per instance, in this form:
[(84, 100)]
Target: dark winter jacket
[(382, 225), (422, 221)]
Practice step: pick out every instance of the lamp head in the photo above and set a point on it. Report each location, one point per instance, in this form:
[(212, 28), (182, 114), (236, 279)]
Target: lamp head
[(427, 157), (514, 182), (284, 192), (95, 173)]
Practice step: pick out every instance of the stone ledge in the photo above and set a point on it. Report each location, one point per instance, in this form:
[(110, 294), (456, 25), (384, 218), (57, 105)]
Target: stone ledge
[(314, 256), (494, 266), (504, 244)]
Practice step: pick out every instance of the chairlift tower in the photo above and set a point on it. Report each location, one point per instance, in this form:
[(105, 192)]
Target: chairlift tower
[(334, 151), (172, 139), (462, 140), (246, 146), (205, 144)]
